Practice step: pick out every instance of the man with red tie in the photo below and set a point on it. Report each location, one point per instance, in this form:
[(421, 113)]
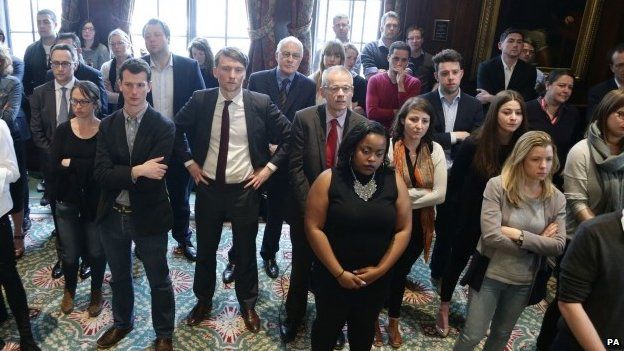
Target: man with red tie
[(229, 160), (316, 135)]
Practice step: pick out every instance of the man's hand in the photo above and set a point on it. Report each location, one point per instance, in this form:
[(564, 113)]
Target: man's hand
[(400, 77), (460, 136), (484, 97), (65, 162), (151, 169), (258, 177), (197, 174)]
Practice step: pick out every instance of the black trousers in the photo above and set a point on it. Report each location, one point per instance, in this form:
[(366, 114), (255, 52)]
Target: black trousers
[(464, 244), (213, 204), (178, 182), (336, 305), (442, 247), (302, 256)]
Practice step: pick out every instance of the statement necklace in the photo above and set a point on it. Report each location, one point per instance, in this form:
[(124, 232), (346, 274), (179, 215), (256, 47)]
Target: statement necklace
[(366, 191)]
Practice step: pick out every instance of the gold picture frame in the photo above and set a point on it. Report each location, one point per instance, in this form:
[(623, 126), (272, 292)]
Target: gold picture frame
[(488, 23)]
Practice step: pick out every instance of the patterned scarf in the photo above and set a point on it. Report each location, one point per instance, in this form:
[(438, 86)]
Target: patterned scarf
[(423, 176)]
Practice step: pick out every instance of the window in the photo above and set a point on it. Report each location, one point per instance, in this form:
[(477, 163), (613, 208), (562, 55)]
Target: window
[(23, 22)]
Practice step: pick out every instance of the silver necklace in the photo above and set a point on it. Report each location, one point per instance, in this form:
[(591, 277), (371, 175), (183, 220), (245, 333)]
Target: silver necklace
[(366, 191)]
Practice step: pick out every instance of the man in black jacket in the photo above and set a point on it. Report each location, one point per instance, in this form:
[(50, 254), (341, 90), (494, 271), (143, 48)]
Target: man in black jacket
[(598, 91)]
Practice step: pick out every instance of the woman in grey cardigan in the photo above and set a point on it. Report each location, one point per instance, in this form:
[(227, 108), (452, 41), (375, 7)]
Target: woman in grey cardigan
[(522, 219)]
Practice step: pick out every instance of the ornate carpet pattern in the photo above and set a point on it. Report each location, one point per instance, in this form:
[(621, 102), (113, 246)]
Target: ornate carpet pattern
[(225, 329)]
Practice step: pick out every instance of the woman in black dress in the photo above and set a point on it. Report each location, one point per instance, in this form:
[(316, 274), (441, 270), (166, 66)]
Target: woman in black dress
[(358, 223)]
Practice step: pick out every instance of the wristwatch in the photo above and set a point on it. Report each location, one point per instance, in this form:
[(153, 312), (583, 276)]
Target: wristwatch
[(520, 239)]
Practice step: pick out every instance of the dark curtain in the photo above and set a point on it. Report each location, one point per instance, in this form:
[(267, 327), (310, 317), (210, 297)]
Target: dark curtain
[(106, 15), (301, 21), (261, 32)]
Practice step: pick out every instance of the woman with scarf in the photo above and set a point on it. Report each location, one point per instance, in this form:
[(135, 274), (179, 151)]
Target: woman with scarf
[(121, 50), (420, 163)]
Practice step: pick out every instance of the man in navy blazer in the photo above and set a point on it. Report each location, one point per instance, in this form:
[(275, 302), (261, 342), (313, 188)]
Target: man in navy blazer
[(598, 91), (457, 115), (232, 130), (291, 91), (506, 71), (174, 79)]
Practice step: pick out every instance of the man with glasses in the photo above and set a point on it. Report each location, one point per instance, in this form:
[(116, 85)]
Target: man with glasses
[(341, 28), (375, 54), (291, 91), (387, 92), (316, 135)]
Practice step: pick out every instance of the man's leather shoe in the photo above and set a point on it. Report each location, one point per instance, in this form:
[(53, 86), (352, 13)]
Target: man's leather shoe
[(111, 337), (188, 251), (163, 344), (252, 321), (200, 312), (288, 331), (340, 341), (85, 270), (271, 268), (57, 270), (228, 273)]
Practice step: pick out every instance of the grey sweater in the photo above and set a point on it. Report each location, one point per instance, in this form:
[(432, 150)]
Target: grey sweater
[(510, 263)]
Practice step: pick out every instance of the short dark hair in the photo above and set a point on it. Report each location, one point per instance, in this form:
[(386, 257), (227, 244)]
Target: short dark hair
[(156, 21), (90, 91), (412, 104), (413, 28), (508, 31), (202, 44), (233, 53), (351, 139), (135, 66), (447, 55), (96, 42), (68, 35), (618, 48), (333, 47), (613, 101), (400, 45), (72, 50), (49, 13)]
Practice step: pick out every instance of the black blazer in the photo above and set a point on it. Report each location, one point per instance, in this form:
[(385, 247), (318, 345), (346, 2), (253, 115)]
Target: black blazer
[(84, 72), (469, 117), (596, 93), (302, 91), (307, 145), (265, 124), (35, 67), (43, 115), (151, 211), (491, 77)]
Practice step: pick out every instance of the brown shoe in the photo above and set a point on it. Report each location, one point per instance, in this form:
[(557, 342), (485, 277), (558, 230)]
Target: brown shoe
[(95, 304), (111, 337), (67, 304), (378, 338), (200, 312), (394, 335), (163, 344), (252, 321)]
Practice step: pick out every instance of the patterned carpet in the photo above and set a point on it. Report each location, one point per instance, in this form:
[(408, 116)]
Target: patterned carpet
[(225, 329)]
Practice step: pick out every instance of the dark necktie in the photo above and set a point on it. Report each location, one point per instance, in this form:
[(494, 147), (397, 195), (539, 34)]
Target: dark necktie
[(223, 143), (331, 144), (283, 93), (63, 111)]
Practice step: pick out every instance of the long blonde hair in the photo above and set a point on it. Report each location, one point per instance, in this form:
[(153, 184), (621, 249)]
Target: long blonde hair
[(513, 175)]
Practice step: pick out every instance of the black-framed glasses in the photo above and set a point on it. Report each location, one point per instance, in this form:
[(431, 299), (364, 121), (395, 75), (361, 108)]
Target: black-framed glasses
[(80, 102)]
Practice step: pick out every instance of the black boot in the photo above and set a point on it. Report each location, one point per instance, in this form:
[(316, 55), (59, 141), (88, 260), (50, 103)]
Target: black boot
[(27, 342)]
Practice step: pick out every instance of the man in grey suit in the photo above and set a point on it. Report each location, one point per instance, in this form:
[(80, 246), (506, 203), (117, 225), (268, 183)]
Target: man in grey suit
[(308, 158), (291, 91)]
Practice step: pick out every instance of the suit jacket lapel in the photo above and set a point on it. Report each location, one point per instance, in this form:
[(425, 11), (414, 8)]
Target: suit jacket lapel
[(119, 128), (272, 86), (150, 100), (500, 73), (293, 93), (437, 106), (250, 117), (142, 132), (321, 127)]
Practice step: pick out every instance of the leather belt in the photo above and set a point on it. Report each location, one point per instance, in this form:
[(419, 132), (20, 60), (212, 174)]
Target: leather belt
[(123, 209)]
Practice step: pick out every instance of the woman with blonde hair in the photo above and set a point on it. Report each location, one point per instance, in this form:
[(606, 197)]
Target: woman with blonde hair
[(121, 50), (333, 55), (522, 224)]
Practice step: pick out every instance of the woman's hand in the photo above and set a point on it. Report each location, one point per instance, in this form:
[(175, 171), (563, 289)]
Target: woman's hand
[(349, 280), (550, 230), (368, 274), (511, 233)]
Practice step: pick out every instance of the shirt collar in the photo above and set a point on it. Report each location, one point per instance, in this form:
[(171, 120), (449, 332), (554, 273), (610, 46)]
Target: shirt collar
[(281, 77), (618, 83), (341, 119), (505, 65), (444, 98), (237, 100), (69, 85), (139, 116), (380, 43), (169, 62)]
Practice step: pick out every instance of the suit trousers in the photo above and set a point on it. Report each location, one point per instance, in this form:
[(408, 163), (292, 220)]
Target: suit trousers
[(179, 187), (117, 233), (302, 256), (213, 205)]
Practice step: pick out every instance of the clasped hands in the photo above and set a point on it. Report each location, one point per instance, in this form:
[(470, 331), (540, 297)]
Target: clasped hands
[(359, 278)]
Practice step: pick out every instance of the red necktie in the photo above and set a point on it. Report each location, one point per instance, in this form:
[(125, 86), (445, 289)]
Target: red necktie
[(331, 144), (223, 143)]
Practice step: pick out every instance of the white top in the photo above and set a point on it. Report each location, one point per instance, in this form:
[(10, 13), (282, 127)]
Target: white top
[(113, 97), (239, 165), (9, 173), (162, 87), (59, 93)]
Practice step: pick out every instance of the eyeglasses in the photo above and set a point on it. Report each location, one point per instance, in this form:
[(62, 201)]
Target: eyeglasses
[(64, 64), (117, 43), (294, 55), (619, 114), (82, 103), (336, 88)]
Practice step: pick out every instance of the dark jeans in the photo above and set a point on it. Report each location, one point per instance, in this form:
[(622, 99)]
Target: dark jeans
[(76, 234), (213, 204), (464, 244), (11, 281), (302, 256), (359, 308), (403, 266), (179, 187), (117, 234), (443, 240), (46, 170)]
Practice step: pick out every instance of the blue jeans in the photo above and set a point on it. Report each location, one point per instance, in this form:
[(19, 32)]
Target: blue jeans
[(498, 303), (74, 232), (117, 233)]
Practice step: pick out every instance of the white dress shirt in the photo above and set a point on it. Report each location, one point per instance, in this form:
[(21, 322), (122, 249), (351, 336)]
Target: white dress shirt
[(58, 93), (508, 71), (162, 87)]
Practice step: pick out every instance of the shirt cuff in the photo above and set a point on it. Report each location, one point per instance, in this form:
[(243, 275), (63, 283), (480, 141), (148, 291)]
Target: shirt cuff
[(272, 167), (453, 138), (188, 163)]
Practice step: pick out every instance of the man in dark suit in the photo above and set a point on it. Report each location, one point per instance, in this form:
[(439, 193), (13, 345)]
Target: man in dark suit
[(506, 71), (36, 57), (49, 107), (174, 79), (229, 159), (598, 91), (134, 146), (457, 115), (291, 91), (308, 158)]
